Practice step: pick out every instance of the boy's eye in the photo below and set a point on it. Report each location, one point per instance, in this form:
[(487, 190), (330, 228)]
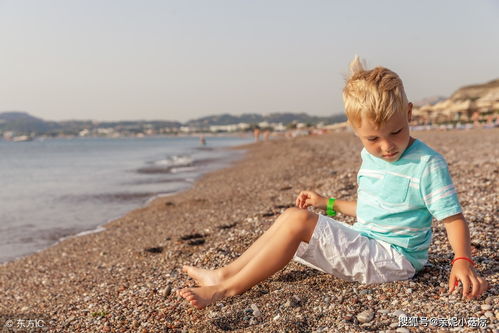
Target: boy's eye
[(372, 139), (397, 132)]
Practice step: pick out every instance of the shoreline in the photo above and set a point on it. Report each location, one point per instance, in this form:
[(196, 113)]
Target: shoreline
[(205, 166), (123, 278)]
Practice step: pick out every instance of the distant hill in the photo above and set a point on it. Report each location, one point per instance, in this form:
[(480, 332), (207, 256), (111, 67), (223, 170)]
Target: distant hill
[(22, 122), (254, 118), (429, 100), (477, 102), (476, 91)]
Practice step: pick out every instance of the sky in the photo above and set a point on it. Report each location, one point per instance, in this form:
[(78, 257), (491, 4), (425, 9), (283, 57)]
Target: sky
[(180, 60)]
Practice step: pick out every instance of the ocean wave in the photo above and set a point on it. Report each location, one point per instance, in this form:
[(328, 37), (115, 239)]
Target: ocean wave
[(175, 160), (167, 164)]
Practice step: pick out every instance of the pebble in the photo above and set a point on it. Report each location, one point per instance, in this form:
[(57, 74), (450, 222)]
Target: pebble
[(293, 301), (256, 311), (399, 313), (486, 307), (348, 317), (166, 291), (402, 330), (365, 316)]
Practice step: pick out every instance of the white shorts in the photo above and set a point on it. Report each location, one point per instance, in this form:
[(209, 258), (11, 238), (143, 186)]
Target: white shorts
[(336, 248)]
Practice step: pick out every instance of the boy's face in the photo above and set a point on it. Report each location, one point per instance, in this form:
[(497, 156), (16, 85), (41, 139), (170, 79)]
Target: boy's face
[(390, 140)]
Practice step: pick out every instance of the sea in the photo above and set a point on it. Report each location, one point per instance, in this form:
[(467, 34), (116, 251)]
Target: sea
[(52, 189)]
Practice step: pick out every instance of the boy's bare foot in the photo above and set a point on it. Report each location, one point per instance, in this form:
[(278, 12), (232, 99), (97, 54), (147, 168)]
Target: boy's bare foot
[(203, 277), (201, 297)]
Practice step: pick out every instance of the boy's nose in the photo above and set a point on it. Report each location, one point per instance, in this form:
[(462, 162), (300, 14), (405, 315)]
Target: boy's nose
[(387, 146)]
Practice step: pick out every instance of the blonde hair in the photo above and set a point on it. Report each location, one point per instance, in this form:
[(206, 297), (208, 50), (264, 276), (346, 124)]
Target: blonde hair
[(376, 94)]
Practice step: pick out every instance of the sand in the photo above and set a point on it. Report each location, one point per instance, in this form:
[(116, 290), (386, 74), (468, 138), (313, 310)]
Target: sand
[(124, 278)]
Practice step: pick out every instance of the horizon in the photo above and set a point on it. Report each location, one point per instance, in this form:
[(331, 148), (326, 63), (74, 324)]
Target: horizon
[(177, 61), (163, 120)]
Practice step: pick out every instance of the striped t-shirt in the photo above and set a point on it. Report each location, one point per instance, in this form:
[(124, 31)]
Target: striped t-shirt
[(396, 200)]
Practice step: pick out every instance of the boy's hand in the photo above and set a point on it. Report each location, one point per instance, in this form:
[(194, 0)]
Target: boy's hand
[(462, 270), (473, 285), (309, 198)]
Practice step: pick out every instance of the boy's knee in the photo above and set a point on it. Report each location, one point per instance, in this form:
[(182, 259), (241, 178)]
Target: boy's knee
[(299, 219), (296, 213)]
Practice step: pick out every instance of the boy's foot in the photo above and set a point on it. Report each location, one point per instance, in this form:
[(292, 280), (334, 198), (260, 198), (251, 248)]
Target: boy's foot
[(203, 277), (201, 297)]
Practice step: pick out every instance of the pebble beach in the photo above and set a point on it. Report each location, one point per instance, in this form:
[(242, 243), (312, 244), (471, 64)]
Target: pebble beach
[(124, 279)]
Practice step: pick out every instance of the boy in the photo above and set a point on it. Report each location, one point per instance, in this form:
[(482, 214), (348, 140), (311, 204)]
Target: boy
[(402, 183)]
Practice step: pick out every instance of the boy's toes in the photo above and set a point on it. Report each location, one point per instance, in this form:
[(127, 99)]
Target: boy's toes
[(183, 292)]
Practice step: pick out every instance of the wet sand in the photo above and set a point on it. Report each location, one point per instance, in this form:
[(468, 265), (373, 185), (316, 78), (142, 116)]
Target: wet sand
[(124, 278)]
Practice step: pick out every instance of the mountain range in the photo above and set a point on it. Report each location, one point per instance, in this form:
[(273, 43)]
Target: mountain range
[(22, 123)]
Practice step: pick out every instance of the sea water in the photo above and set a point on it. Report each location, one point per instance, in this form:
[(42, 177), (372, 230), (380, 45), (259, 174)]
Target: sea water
[(55, 188)]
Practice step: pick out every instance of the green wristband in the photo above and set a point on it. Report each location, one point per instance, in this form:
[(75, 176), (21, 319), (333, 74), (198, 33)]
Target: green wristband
[(330, 207)]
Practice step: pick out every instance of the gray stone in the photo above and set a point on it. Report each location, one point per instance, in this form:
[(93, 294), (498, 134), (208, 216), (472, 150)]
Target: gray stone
[(365, 316), (294, 301), (399, 313), (486, 307), (402, 330), (166, 291), (256, 311)]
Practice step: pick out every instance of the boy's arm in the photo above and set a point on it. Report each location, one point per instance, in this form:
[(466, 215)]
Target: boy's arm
[(341, 206), (310, 198), (462, 270), (346, 207)]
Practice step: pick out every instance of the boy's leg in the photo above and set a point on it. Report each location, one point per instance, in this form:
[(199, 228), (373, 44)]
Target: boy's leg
[(272, 256), (206, 277)]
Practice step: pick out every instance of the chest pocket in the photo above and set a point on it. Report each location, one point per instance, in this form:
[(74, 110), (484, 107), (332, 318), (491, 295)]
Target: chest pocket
[(369, 184), (394, 188)]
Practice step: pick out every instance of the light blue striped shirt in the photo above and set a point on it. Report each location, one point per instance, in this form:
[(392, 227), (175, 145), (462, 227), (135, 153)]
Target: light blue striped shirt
[(396, 200)]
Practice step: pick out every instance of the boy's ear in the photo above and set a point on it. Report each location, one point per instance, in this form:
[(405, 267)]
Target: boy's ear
[(409, 112)]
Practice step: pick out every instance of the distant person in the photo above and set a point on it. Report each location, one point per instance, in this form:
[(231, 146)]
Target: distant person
[(256, 134), (202, 140), (490, 121), (476, 119), (403, 184), (266, 135)]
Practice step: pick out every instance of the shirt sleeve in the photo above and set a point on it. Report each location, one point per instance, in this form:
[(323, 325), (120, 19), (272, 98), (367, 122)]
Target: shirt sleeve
[(438, 191)]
